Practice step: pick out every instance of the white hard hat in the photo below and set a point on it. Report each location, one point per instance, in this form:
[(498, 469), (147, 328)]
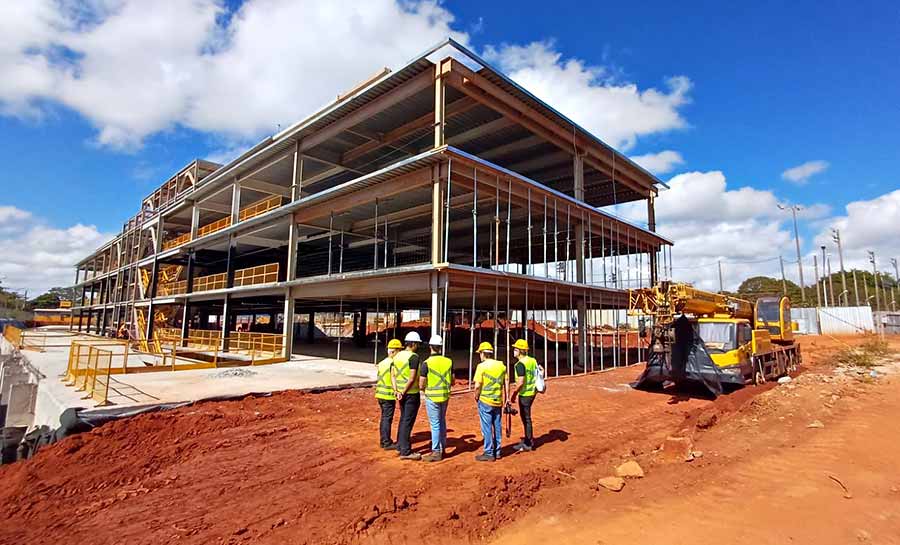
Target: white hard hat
[(436, 340), (412, 337)]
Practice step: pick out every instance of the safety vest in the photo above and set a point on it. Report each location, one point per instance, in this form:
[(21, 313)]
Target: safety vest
[(401, 364), (440, 372), (383, 387), (528, 389), (493, 373)]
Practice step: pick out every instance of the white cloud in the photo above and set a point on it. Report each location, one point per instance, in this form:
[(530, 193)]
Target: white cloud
[(37, 256), (709, 222), (659, 163), (618, 112), (870, 225), (801, 174), (134, 68)]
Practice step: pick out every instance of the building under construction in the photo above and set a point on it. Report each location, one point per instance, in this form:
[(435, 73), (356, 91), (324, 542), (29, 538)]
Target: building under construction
[(440, 196)]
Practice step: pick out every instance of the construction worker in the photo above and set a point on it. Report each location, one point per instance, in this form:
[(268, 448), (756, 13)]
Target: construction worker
[(436, 378), (525, 390), (490, 393), (406, 376), (386, 393)]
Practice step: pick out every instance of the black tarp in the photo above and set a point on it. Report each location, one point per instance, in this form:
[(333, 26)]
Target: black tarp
[(690, 365)]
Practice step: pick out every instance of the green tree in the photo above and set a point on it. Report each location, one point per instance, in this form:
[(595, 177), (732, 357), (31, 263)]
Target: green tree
[(755, 287), (52, 298)]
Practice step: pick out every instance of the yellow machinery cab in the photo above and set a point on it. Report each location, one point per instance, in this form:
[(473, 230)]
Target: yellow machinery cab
[(774, 315), (731, 342)]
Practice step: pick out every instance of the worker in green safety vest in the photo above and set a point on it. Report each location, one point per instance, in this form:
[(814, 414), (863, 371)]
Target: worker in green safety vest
[(386, 393), (435, 379), (490, 393), (406, 375), (524, 389)]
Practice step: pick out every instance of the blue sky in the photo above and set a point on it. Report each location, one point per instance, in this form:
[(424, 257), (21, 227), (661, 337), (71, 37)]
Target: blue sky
[(769, 86)]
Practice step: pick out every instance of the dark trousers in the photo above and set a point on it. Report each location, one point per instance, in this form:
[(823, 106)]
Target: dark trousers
[(387, 420), (525, 412), (409, 409)]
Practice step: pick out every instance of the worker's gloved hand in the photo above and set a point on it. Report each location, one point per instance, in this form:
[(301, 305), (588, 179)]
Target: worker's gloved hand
[(509, 409)]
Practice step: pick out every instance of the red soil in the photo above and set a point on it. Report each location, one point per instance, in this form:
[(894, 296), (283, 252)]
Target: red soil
[(304, 468)]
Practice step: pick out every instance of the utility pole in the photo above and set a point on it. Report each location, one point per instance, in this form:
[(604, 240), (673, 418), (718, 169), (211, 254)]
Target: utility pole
[(875, 273), (831, 286), (721, 288), (816, 272), (896, 283), (855, 287), (794, 209), (836, 235), (783, 281), (824, 279), (866, 292)]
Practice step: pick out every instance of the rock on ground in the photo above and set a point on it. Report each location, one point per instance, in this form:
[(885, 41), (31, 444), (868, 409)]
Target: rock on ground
[(612, 483), (630, 470), (678, 449)]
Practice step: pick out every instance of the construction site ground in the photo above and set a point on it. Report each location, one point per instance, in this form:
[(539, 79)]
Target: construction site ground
[(811, 461)]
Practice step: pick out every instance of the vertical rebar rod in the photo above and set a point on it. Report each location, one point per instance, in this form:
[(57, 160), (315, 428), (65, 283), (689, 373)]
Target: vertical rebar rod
[(475, 221), (603, 239), (330, 231), (494, 320), (546, 271), (340, 255), (508, 322), (385, 241), (571, 349), (496, 227), (508, 221), (530, 240), (472, 330), (601, 331), (341, 328), (377, 310), (568, 241), (445, 331), (546, 348), (555, 245), (375, 256), (556, 324)]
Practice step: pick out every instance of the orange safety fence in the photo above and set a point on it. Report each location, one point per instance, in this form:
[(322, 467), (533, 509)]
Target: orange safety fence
[(177, 241), (262, 274)]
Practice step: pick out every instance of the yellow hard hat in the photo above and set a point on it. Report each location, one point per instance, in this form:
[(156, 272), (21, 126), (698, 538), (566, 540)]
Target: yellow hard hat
[(521, 344), (395, 343), (485, 347)]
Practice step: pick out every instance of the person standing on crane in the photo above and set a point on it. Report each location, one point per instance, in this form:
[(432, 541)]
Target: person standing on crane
[(436, 378), (490, 394), (525, 390), (386, 393), (406, 376)]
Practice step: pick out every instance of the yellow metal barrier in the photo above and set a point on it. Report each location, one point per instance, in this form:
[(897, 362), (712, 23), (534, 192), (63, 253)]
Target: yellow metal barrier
[(217, 225), (14, 335), (211, 282), (263, 274), (260, 207), (177, 241), (261, 347), (171, 288)]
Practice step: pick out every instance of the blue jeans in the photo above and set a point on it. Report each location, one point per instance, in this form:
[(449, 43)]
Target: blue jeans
[(437, 420), (491, 428)]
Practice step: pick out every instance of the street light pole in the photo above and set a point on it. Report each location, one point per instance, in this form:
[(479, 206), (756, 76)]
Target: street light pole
[(855, 288), (875, 274), (794, 208), (783, 281), (816, 272), (836, 236)]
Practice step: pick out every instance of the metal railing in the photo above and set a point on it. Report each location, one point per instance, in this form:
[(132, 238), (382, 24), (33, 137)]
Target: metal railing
[(259, 346), (165, 289), (177, 241), (262, 274), (14, 335), (89, 368), (217, 225), (260, 207)]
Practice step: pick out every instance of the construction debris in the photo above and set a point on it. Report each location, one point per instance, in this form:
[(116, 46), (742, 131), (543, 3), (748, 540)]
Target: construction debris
[(630, 470), (614, 484)]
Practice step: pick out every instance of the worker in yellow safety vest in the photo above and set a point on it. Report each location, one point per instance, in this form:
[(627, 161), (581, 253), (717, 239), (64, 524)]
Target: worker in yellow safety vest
[(406, 376), (436, 378), (490, 393), (386, 393), (524, 388)]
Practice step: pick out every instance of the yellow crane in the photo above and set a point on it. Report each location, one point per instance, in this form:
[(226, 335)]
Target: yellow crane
[(714, 339)]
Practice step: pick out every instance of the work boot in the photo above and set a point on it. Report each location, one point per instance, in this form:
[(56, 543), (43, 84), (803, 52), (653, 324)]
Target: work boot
[(411, 456), (484, 458), (392, 446), (435, 456), (522, 447)]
